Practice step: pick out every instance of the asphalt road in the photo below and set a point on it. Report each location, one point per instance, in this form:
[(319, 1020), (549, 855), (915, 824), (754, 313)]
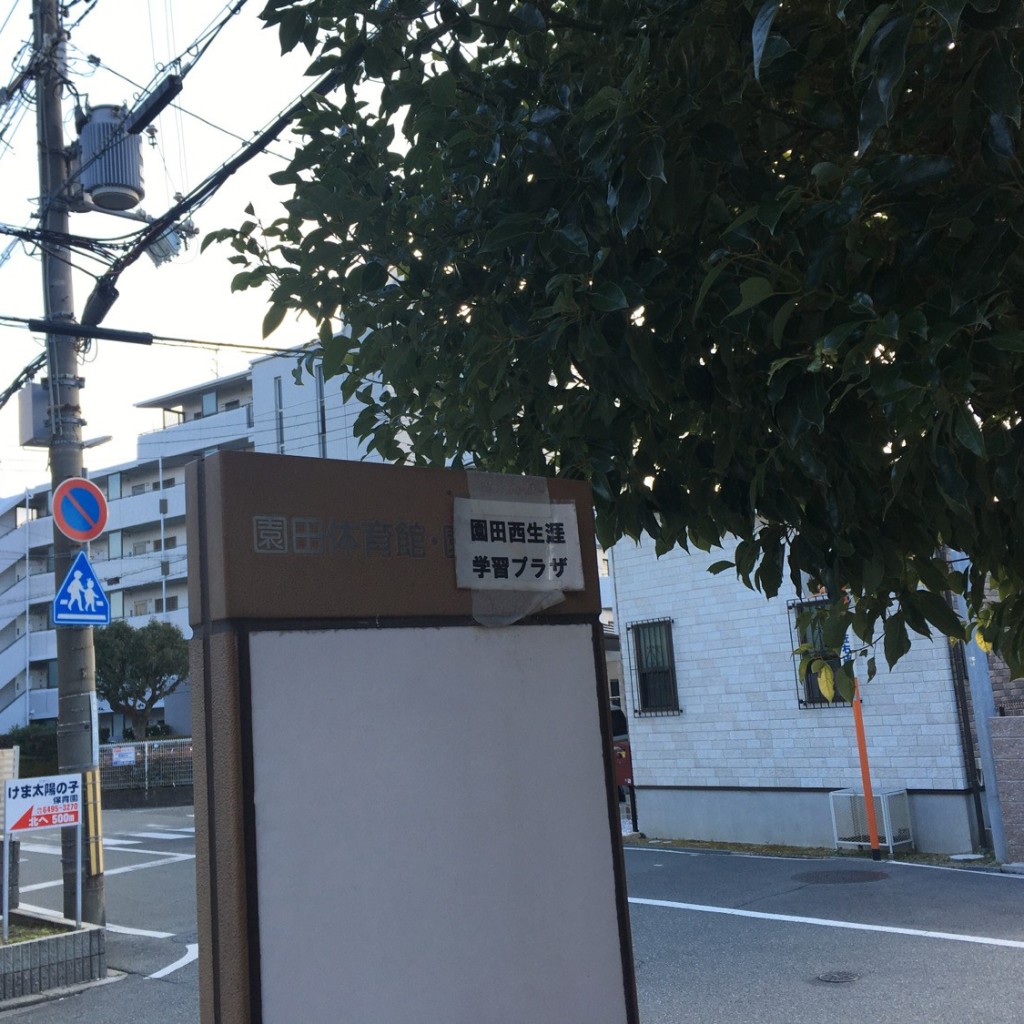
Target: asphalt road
[(149, 860), (730, 939), (718, 938)]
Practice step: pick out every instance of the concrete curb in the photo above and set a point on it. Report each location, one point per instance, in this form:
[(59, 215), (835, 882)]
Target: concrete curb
[(54, 961), (9, 1006)]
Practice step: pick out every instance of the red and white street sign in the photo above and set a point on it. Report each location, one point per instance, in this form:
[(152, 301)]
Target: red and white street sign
[(79, 509), (51, 801)]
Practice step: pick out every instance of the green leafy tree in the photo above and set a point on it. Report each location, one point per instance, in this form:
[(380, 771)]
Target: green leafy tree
[(752, 269), (37, 743), (136, 668)]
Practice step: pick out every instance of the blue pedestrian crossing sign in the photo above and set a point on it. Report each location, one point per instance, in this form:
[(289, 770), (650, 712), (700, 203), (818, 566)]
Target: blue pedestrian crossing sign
[(80, 600)]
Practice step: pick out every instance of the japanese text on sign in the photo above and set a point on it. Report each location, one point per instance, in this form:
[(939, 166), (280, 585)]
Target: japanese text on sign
[(47, 802), (319, 536), (502, 545)]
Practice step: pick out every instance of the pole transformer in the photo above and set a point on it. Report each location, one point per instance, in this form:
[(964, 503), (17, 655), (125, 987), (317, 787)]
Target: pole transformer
[(76, 665)]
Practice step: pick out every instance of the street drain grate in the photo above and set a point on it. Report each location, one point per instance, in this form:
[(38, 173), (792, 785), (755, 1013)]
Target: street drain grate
[(838, 977), (839, 877)]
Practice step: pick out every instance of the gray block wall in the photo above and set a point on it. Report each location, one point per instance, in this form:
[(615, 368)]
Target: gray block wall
[(52, 962), (1008, 752)]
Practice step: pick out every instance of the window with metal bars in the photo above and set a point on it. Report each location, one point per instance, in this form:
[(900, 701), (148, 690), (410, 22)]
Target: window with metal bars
[(654, 683), (808, 693)]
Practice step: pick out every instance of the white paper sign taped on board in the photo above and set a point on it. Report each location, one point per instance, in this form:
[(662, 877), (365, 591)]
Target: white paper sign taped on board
[(517, 546)]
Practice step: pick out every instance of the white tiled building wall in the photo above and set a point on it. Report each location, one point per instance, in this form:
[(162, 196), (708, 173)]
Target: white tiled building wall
[(741, 723), (741, 726)]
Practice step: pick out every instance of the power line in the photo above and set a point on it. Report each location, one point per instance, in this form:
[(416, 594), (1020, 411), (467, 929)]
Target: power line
[(92, 331), (307, 438), (236, 346), (207, 188), (22, 379), (91, 6), (292, 422), (137, 243), (88, 246), (347, 62), (295, 422), (13, 101), (10, 14), (199, 47), (180, 108), (134, 243)]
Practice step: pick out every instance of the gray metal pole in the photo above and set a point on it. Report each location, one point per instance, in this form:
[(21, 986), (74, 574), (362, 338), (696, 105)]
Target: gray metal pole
[(984, 707), (7, 895), (76, 675), (78, 866), (27, 700)]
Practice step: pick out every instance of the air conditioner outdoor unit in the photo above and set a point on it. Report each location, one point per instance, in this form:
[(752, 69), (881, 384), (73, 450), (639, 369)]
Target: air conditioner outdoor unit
[(850, 822)]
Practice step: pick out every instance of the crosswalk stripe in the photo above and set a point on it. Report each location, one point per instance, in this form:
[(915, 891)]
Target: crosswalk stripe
[(158, 835)]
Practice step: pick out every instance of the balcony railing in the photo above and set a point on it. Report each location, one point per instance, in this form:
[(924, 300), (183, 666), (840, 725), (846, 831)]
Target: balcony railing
[(193, 435)]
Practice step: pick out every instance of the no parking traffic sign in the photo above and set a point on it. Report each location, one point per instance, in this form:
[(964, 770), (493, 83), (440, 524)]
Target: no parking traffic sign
[(79, 509)]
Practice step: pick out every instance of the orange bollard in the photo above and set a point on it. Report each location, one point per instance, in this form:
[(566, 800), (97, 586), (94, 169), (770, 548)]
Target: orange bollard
[(865, 773)]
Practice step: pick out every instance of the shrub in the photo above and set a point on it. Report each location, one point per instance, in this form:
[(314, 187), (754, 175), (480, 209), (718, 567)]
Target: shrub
[(38, 743)]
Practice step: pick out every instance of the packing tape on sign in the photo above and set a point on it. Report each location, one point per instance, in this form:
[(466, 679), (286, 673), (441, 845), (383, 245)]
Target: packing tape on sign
[(505, 607)]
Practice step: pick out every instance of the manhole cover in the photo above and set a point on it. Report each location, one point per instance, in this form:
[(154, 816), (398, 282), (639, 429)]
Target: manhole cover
[(837, 977), (839, 877)]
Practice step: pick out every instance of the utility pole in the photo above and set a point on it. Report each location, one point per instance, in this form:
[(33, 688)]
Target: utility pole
[(76, 666)]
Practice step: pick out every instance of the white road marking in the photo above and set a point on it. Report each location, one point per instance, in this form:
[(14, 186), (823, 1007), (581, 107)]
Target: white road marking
[(173, 858), (661, 849), (192, 949), (41, 885), (151, 853), (888, 861), (192, 953), (120, 929), (984, 872), (827, 923), (121, 845), (146, 933), (160, 835)]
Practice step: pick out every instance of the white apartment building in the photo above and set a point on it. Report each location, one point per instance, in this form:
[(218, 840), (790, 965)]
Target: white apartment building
[(141, 558)]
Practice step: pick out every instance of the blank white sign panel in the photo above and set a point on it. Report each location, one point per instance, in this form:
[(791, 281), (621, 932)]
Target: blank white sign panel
[(432, 832)]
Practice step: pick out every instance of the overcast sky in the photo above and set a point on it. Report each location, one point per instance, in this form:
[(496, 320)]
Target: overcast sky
[(237, 87)]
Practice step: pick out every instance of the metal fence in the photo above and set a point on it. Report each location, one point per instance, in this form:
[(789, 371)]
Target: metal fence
[(146, 766)]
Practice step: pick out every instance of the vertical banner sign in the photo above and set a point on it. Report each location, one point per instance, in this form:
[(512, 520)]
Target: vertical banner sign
[(512, 545)]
